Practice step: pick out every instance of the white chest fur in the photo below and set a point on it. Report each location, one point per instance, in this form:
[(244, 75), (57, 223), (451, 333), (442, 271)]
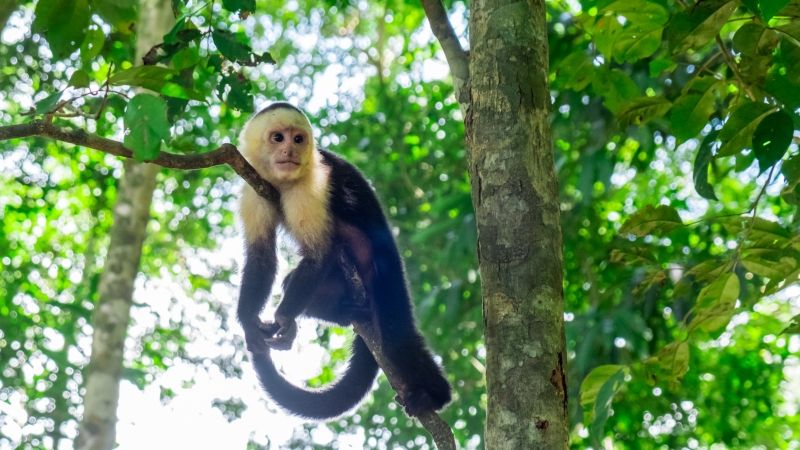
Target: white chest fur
[(305, 212)]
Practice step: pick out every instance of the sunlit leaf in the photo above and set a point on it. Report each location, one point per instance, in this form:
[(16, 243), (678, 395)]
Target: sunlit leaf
[(46, 104), (715, 305), (793, 327), (63, 23), (79, 79), (651, 219), (575, 71), (146, 122), (698, 25), (642, 110)]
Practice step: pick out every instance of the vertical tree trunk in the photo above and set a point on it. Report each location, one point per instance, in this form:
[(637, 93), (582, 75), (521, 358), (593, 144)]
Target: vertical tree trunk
[(515, 196), (111, 316)]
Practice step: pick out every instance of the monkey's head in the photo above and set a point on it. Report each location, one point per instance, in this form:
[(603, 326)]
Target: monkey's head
[(279, 143)]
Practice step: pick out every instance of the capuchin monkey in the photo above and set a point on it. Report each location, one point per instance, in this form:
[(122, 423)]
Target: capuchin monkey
[(331, 211)]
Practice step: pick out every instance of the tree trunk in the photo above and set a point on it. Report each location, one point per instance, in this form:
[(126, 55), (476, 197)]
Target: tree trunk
[(515, 196), (111, 316)]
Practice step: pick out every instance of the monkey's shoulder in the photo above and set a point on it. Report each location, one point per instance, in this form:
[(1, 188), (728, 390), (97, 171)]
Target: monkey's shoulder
[(351, 197)]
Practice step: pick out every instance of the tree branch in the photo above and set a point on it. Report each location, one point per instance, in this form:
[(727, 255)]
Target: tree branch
[(457, 58), (439, 430), (225, 154)]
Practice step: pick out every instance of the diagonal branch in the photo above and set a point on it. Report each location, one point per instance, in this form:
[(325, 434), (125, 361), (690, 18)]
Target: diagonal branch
[(225, 154), (439, 429), (457, 58)]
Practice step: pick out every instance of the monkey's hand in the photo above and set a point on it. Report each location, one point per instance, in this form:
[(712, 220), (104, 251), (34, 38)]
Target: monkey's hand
[(280, 334), (260, 336)]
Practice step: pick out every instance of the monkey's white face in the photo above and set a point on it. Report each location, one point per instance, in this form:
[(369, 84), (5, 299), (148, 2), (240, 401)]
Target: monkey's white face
[(279, 144)]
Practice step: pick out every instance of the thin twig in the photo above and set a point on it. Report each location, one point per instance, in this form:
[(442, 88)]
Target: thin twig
[(457, 58)]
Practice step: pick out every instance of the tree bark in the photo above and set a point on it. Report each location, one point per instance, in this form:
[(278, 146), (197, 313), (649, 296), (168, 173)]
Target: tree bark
[(111, 316), (515, 196)]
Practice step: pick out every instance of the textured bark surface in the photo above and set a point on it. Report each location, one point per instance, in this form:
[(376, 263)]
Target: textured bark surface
[(111, 316), (515, 196)]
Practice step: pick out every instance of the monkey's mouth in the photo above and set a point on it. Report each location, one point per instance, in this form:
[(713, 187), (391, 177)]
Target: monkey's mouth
[(287, 164)]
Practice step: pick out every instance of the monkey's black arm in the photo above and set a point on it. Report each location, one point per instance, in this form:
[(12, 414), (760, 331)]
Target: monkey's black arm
[(257, 277)]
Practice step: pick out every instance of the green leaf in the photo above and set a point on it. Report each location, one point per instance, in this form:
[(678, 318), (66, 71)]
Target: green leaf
[(715, 305), (642, 110), (701, 164), (691, 111), (79, 79), (63, 24), (239, 5), (769, 8), (659, 220), (575, 71), (146, 122), (753, 39), (783, 89), (661, 65), (772, 137), (616, 88), (639, 38), (773, 264), (590, 387), (238, 95), (792, 29), (155, 78), (791, 171), (228, 44), (92, 44), (46, 104), (738, 130), (671, 362), (602, 406), (793, 327), (122, 14), (696, 27)]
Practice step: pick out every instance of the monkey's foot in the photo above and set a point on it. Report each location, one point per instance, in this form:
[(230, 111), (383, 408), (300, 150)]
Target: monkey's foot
[(417, 402)]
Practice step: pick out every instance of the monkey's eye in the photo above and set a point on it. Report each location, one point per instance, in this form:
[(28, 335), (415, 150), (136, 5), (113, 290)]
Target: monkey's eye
[(298, 139), (277, 137)]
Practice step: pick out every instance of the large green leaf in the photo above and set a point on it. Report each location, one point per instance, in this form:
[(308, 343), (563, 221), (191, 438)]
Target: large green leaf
[(738, 130), (639, 38), (63, 23), (575, 71), (120, 13), (651, 219), (156, 78), (715, 305), (147, 126), (691, 111), (642, 110), (772, 137), (597, 393), (699, 25), (701, 165), (754, 39)]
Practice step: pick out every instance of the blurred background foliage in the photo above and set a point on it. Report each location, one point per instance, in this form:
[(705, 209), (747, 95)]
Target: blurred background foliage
[(674, 132)]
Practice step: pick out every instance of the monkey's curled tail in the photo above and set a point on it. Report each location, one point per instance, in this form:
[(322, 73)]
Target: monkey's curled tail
[(326, 403)]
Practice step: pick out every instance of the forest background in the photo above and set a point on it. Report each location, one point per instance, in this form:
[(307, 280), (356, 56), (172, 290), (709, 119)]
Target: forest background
[(677, 158)]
